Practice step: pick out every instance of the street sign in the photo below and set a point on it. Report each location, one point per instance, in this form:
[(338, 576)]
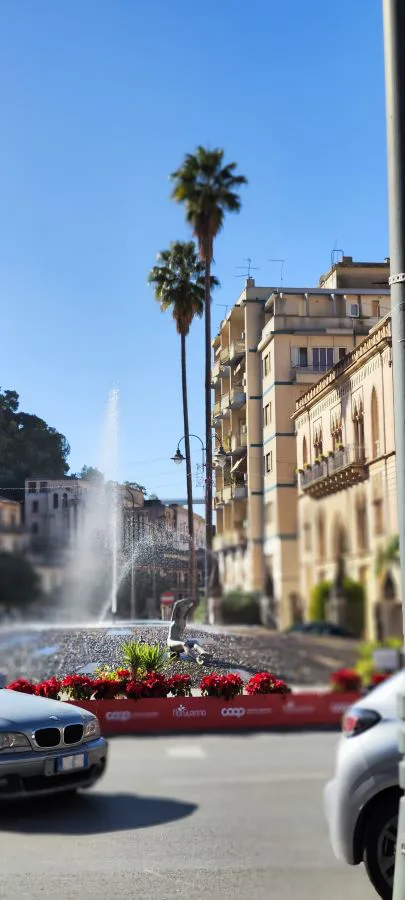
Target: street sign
[(167, 598)]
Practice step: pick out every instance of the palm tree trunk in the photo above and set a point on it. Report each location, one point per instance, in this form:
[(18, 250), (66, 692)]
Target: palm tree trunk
[(208, 425), (193, 572)]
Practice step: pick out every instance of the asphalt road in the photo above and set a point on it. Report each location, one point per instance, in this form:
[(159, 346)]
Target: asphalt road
[(210, 816)]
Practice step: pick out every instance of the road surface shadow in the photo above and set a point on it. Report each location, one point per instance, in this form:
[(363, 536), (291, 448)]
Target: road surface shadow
[(91, 814)]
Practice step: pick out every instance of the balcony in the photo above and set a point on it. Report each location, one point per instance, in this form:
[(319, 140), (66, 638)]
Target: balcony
[(239, 491), (308, 374), (224, 357), (239, 442), (238, 396), (342, 470), (216, 412), (215, 371), (225, 402), (236, 351), (234, 537)]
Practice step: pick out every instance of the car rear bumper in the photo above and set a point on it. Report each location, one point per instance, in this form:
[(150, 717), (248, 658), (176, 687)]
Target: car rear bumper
[(32, 774)]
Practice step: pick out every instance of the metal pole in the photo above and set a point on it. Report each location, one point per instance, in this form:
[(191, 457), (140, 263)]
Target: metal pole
[(133, 610), (394, 47)]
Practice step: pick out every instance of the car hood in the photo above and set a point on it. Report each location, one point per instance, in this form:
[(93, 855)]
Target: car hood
[(19, 710)]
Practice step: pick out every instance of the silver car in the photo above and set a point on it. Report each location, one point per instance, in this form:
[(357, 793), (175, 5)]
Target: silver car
[(47, 746), (361, 803)]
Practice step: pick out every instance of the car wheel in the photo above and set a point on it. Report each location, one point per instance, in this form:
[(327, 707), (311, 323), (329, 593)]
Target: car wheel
[(380, 845)]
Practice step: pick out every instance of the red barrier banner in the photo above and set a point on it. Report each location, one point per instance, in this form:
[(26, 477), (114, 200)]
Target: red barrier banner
[(184, 714)]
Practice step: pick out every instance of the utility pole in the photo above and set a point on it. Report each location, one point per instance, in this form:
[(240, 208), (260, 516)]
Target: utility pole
[(394, 48)]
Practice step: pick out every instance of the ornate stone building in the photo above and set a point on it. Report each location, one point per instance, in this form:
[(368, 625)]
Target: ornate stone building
[(347, 501)]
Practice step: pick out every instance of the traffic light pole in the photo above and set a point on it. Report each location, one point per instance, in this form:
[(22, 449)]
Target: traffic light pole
[(394, 48)]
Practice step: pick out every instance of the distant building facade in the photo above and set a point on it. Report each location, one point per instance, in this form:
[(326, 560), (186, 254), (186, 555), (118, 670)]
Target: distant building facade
[(273, 345)]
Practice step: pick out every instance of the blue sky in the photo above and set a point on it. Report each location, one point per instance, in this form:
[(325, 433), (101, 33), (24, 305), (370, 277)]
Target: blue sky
[(99, 102)]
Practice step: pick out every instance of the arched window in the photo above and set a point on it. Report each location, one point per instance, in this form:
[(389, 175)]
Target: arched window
[(358, 422), (304, 452), (64, 501), (321, 535), (375, 428), (56, 501), (339, 539), (362, 524)]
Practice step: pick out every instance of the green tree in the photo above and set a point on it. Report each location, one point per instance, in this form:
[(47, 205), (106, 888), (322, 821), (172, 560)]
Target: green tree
[(90, 473), (179, 287), (207, 187), (28, 446), (19, 583)]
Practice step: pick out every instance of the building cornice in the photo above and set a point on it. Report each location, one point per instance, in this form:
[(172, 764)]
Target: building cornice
[(380, 335)]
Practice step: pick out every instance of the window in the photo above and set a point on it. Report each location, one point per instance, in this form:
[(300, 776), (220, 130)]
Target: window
[(322, 358), (375, 312), (378, 517), (303, 357), (304, 452), (375, 428), (269, 513), (34, 528), (318, 443), (307, 537), (32, 487), (267, 414), (35, 506), (269, 461), (362, 530), (56, 501), (64, 501), (266, 365), (342, 352), (43, 487), (321, 536)]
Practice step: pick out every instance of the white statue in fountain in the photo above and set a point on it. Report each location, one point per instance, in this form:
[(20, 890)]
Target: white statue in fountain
[(175, 639)]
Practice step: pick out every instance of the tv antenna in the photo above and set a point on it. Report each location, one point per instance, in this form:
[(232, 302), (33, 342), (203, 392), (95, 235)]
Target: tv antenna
[(334, 257), (249, 267), (281, 261)]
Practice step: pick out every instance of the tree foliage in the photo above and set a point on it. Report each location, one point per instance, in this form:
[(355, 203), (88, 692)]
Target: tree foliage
[(19, 583), (28, 446)]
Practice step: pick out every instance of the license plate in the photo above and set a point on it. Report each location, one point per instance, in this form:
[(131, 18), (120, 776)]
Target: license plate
[(71, 763)]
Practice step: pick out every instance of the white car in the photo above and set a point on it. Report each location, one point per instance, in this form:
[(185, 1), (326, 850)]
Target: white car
[(47, 746), (362, 801)]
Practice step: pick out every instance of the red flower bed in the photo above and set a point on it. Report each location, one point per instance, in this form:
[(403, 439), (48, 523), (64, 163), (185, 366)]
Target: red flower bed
[(180, 685), (50, 688), (225, 686), (266, 683), (78, 687), (23, 686), (345, 681)]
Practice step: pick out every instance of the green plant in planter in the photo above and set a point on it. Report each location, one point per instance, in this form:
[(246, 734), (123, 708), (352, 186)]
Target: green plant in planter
[(140, 657), (355, 604)]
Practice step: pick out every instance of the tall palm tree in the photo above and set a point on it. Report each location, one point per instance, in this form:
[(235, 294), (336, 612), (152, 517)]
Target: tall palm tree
[(179, 286), (207, 188)]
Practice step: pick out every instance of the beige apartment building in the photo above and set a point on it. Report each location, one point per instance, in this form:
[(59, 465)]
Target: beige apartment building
[(347, 501), (273, 344), (12, 536)]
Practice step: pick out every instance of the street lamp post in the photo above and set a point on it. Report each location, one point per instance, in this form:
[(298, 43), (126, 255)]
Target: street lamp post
[(394, 46), (220, 459)]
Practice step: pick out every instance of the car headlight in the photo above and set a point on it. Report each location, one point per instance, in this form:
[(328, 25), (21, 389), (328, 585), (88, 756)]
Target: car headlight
[(91, 729), (13, 741)]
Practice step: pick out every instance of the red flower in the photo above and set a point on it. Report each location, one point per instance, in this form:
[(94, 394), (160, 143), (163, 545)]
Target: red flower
[(345, 681), (379, 677), (180, 685), (78, 687), (134, 690), (22, 685), (123, 674), (50, 688), (266, 683), (155, 685), (226, 686), (108, 688)]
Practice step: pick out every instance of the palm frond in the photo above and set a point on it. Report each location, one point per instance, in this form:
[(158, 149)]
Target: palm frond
[(179, 283)]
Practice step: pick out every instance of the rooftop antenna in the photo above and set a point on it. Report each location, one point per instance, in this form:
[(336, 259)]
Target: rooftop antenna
[(249, 267), (334, 255), (281, 261), (225, 307)]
